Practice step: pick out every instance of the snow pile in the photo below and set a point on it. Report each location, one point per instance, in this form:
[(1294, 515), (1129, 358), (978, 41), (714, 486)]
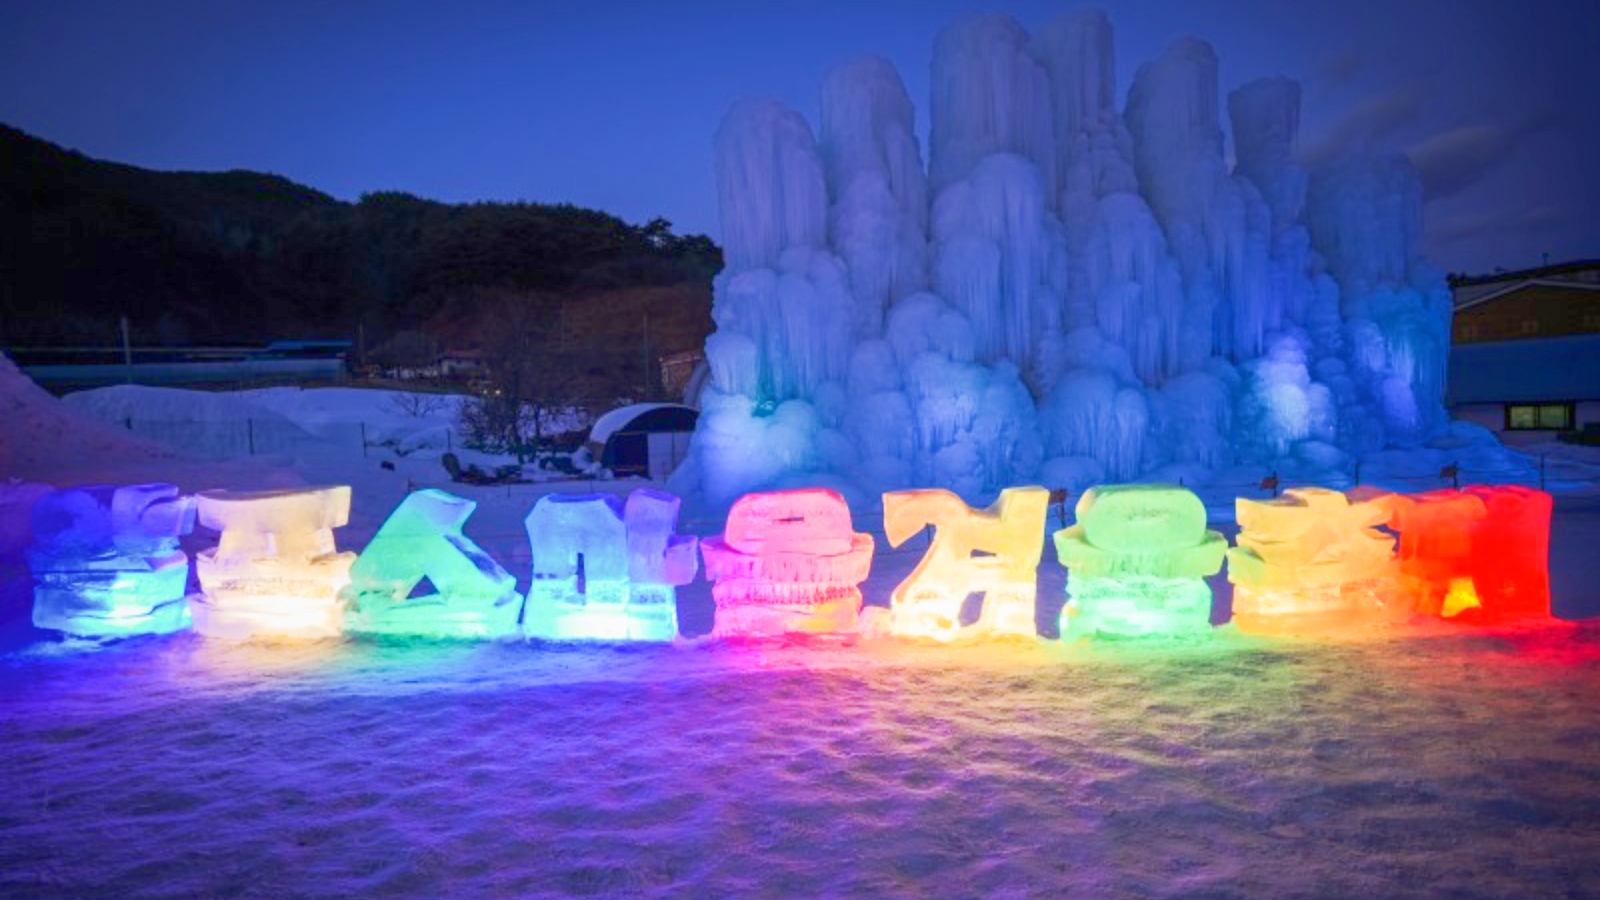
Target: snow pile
[(1069, 292), (44, 440), (197, 422)]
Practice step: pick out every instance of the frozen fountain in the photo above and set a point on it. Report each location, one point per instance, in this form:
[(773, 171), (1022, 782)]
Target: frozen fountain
[(1067, 292)]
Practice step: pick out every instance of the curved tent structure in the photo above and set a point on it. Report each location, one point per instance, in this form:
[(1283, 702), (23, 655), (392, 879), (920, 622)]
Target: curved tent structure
[(644, 439)]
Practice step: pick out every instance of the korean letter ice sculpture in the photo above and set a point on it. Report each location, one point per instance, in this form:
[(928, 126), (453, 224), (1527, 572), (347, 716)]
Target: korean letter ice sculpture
[(1312, 561), (630, 562), (788, 562), (1484, 548), (275, 569), (1136, 562), (106, 563), (994, 552), (472, 595)]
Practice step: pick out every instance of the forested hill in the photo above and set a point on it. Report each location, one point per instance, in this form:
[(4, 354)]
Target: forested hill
[(244, 257)]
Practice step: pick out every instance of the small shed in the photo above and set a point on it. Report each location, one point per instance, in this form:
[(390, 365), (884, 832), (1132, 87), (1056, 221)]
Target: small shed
[(645, 439)]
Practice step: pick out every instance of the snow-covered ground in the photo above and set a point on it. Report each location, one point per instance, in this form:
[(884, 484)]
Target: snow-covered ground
[(1422, 761)]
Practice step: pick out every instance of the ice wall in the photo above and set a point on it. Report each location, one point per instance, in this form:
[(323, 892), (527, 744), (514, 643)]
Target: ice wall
[(1068, 291), (878, 220)]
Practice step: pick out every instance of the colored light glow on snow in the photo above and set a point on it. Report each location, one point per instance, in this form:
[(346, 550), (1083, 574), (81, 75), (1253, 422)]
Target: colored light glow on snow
[(1312, 561), (1461, 597), (1495, 537), (994, 552), (422, 539), (1136, 561), (788, 562), (631, 560), (106, 563), (276, 569)]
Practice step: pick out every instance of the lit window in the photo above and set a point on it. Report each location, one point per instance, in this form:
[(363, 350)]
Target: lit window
[(1539, 416), (1555, 415)]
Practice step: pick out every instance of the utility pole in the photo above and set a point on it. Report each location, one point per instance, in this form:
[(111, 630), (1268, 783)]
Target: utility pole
[(127, 350)]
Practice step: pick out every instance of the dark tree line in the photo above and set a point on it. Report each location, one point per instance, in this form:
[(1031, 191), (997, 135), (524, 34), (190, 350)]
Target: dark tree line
[(242, 257)]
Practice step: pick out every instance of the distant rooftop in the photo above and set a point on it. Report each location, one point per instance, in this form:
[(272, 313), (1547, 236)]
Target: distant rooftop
[(1569, 269)]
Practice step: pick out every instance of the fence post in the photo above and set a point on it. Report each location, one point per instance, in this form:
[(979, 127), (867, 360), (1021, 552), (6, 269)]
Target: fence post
[(250, 434), (363, 439)]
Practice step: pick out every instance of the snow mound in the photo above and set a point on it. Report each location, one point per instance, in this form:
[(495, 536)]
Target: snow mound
[(196, 422), (45, 440)]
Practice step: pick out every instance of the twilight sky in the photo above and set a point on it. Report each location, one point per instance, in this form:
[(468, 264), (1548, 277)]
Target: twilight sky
[(612, 103)]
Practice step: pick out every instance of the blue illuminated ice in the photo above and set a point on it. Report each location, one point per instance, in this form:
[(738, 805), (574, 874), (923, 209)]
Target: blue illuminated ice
[(105, 560), (472, 596), (605, 569), (1071, 289)]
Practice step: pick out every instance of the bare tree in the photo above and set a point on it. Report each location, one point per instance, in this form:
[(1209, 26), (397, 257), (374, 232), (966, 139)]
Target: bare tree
[(535, 371), (418, 405)]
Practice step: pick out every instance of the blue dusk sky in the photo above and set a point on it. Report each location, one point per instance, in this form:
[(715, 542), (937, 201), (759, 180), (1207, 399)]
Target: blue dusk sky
[(612, 104)]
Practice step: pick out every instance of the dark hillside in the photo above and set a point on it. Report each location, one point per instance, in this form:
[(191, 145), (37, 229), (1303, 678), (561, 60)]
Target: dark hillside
[(227, 257)]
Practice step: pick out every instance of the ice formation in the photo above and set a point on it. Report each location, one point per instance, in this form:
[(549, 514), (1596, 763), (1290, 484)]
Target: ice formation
[(993, 552), (1483, 548), (1067, 292), (421, 541), (1312, 561), (1136, 562), (106, 563), (276, 570), (605, 569), (789, 561)]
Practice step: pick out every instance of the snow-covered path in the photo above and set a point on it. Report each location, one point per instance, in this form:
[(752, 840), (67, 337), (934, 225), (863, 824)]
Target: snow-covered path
[(1450, 762)]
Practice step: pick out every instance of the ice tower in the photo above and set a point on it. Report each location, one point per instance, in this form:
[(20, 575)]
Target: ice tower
[(1068, 292)]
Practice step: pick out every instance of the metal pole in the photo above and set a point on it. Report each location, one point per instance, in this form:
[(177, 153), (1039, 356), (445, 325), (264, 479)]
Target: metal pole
[(363, 440), (646, 361), (127, 351)]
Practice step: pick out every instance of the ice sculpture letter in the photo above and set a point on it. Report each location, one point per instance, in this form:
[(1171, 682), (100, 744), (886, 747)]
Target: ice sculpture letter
[(106, 560), (629, 559), (275, 569), (1484, 548), (788, 562), (1312, 561), (473, 595), (1136, 561), (994, 552)]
